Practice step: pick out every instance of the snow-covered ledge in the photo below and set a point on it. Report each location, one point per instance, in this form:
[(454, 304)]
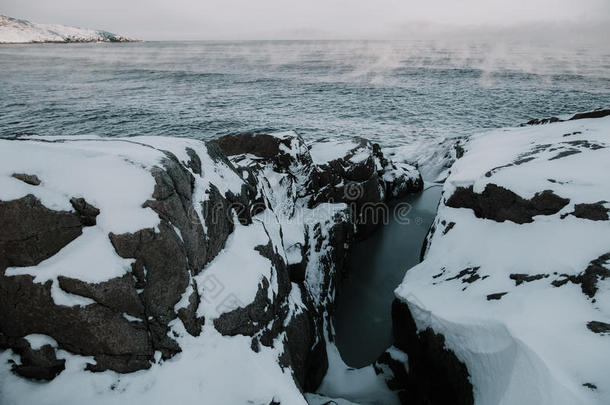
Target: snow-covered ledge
[(516, 276)]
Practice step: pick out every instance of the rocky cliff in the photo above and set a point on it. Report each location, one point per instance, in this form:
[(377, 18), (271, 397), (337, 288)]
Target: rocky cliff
[(153, 269), (511, 303)]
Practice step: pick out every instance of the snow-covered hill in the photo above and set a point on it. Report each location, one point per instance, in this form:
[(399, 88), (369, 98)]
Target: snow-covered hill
[(15, 31)]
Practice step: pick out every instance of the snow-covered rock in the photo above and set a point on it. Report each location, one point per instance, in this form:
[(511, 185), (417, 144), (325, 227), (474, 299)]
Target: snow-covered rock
[(511, 304), (15, 31), (155, 270)]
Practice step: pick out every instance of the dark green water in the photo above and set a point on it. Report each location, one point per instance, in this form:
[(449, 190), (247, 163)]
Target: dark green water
[(363, 322)]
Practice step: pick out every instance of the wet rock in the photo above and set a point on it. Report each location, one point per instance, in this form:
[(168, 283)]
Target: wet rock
[(499, 204), (591, 114), (537, 121), (30, 179)]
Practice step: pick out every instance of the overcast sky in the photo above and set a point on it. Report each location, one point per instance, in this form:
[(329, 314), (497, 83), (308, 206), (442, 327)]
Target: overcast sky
[(261, 19)]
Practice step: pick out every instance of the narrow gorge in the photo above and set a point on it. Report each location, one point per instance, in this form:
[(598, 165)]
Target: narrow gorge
[(262, 269)]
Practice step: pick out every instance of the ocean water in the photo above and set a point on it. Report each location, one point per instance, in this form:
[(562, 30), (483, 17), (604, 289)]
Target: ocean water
[(392, 92)]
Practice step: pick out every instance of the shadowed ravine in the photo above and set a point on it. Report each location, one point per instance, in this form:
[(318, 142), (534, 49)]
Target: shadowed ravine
[(363, 321)]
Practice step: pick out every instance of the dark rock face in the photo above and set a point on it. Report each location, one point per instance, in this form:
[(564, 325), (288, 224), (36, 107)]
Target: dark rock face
[(125, 320), (593, 212), (263, 317), (118, 293), (541, 121), (39, 364), (596, 271), (496, 296), (31, 233), (526, 278), (591, 114), (268, 147), (87, 212), (363, 184), (499, 204), (398, 378), (307, 347), (469, 275), (30, 179), (100, 329), (435, 374), (599, 327), (165, 262), (358, 182)]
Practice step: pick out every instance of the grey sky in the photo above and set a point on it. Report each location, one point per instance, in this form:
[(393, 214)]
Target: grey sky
[(254, 19)]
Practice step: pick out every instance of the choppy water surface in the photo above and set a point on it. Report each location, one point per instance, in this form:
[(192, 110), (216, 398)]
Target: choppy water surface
[(387, 91)]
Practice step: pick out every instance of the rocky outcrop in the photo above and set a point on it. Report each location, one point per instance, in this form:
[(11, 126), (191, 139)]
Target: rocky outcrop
[(165, 260), (500, 204), (31, 233), (600, 113), (354, 172), (434, 374), (521, 211), (189, 252)]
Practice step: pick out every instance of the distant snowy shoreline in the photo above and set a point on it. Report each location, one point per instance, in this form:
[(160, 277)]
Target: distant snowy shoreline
[(15, 31)]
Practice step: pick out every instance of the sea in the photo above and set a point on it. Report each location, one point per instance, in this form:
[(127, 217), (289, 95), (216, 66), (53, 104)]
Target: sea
[(396, 93)]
